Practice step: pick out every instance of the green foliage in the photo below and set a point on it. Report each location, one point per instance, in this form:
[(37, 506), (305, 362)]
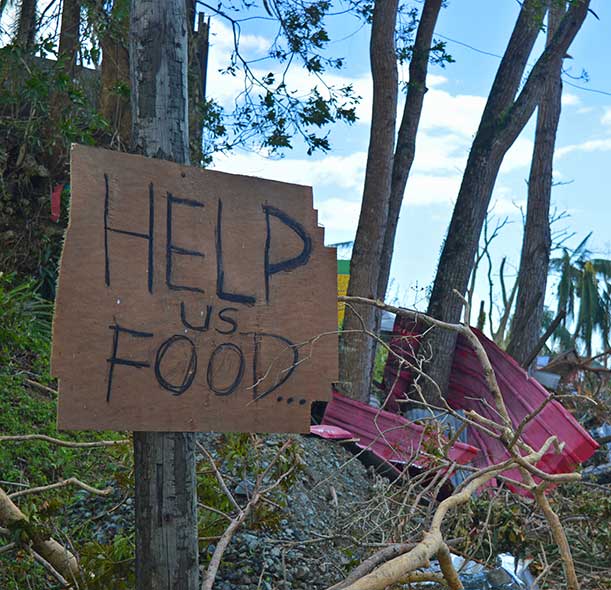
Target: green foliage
[(25, 321), (562, 339), (243, 458), (29, 87), (505, 524), (25, 408), (109, 565), (269, 113), (378, 368), (584, 293), (42, 111)]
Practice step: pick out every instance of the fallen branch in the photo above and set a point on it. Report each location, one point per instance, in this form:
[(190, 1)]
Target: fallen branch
[(65, 443), (9, 547), (379, 557), (223, 543), (396, 569), (62, 484), (42, 561), (541, 342), (432, 543), (60, 558), (41, 386), (419, 577), (447, 568)]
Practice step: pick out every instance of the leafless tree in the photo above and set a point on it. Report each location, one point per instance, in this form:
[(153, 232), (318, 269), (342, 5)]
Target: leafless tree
[(537, 241), (506, 113), (388, 168)]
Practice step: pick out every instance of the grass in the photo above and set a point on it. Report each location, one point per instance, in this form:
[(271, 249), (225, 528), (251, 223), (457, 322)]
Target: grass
[(25, 343)]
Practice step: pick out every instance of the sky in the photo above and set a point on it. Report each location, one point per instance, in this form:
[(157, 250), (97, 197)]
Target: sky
[(476, 33), (473, 29)]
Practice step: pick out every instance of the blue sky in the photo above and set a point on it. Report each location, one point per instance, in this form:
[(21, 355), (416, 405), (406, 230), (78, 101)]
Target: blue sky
[(452, 109)]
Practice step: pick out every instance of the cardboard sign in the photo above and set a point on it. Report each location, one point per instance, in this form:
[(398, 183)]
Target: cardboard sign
[(191, 300)]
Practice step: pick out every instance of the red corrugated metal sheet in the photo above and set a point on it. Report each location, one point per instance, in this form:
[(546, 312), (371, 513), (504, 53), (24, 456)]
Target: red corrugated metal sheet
[(330, 432), (522, 395), (390, 436)]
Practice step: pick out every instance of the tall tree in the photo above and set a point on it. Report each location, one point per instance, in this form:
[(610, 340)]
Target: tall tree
[(505, 115), (405, 150), (199, 30), (166, 509), (537, 240), (356, 349), (389, 206), (26, 23), (69, 33), (115, 73)]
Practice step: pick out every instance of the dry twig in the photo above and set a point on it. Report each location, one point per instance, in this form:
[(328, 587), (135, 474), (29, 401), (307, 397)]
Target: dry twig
[(65, 443), (62, 484)]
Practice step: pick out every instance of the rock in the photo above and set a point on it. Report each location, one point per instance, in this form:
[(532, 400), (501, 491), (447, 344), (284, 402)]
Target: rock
[(276, 552), (244, 488), (499, 578)]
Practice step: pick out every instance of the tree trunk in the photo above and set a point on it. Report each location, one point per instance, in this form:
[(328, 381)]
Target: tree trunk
[(405, 150), (59, 102), (26, 24), (198, 65), (115, 75), (356, 350), (166, 507), (69, 34), (503, 119), (536, 245)]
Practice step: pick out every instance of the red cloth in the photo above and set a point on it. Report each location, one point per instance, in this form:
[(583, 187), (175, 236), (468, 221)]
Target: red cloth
[(56, 202)]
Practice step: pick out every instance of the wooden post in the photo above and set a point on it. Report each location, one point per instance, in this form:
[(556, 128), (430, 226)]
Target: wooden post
[(166, 506)]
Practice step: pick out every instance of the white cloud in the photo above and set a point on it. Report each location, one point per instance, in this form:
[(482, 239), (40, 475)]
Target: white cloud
[(441, 153), (456, 113), (592, 145), (518, 156), (345, 172), (435, 80), (606, 118), (506, 203), (338, 216), (569, 99), (430, 189)]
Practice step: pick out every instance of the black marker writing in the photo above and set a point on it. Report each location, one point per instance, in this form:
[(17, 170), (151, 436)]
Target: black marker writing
[(226, 347), (223, 315), (271, 268), (172, 249), (148, 236), (115, 360), (190, 371), (183, 318), (220, 271), (286, 372)]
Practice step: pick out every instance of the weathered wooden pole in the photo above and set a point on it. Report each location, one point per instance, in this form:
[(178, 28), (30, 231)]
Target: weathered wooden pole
[(166, 506)]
